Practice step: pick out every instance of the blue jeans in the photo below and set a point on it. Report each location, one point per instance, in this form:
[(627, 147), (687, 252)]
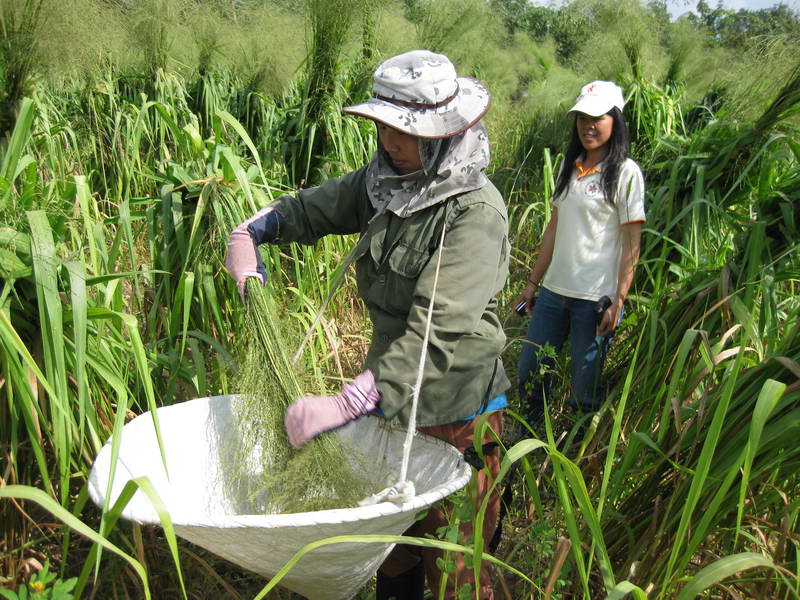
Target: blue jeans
[(554, 317)]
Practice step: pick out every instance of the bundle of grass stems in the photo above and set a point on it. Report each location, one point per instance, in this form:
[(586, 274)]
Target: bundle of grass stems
[(266, 474)]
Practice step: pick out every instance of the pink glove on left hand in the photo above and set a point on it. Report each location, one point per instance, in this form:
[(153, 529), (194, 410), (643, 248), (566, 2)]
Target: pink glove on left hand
[(242, 259), (308, 416)]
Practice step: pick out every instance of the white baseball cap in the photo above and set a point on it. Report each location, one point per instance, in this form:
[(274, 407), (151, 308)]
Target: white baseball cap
[(599, 97)]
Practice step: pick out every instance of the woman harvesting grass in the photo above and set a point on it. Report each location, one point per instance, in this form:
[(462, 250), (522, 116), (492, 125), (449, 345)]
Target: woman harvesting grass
[(424, 191)]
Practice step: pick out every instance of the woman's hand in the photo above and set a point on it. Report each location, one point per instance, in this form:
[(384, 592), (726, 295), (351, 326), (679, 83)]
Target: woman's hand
[(540, 266), (308, 416), (242, 260), (527, 296), (631, 239), (610, 318)]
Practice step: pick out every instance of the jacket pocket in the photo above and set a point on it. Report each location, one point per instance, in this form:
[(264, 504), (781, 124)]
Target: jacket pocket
[(407, 261)]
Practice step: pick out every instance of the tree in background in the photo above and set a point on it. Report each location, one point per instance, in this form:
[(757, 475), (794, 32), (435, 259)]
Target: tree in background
[(736, 28), (571, 24), (521, 15)]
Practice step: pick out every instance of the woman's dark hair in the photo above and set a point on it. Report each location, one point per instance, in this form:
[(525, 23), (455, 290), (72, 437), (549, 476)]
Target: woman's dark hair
[(617, 153)]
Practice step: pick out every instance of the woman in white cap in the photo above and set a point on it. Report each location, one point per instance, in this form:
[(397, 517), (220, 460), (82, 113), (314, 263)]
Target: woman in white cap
[(588, 253), (426, 176)]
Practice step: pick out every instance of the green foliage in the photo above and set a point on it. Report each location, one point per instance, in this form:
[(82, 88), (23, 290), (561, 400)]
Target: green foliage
[(442, 25), (519, 15), (330, 22), (120, 181), (736, 28), (688, 58), (571, 29), (38, 587), (152, 23), (21, 31), (84, 39), (625, 40)]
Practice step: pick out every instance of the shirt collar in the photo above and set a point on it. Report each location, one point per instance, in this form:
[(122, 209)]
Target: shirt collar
[(598, 168)]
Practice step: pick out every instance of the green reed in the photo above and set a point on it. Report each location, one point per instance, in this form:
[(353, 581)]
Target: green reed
[(115, 208)]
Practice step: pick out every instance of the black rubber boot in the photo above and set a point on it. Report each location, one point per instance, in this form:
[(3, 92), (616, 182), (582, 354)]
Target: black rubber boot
[(406, 586)]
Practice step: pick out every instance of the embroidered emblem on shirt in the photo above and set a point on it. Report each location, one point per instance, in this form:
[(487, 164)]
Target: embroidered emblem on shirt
[(593, 188)]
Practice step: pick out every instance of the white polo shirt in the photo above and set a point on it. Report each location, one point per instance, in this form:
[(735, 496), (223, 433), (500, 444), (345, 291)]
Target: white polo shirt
[(588, 244)]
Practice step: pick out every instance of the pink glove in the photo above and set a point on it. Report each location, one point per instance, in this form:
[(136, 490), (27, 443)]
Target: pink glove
[(308, 416), (242, 260)]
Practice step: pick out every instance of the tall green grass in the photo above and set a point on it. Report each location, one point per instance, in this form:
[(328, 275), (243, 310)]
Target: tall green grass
[(115, 200)]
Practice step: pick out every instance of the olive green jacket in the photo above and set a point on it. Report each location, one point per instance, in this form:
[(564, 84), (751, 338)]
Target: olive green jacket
[(395, 269)]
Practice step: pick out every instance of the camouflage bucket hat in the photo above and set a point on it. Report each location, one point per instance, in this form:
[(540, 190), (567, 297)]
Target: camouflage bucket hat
[(419, 93)]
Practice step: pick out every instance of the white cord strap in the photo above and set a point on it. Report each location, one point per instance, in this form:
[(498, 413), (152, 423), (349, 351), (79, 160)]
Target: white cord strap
[(412, 417), (404, 491)]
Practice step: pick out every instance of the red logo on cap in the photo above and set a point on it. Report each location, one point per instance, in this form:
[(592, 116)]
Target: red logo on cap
[(590, 89)]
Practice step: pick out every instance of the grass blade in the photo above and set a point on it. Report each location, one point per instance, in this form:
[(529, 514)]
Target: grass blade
[(719, 570), (24, 492)]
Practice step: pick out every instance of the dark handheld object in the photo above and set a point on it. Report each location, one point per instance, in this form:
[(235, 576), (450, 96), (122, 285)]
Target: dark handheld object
[(601, 307), (520, 308)]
